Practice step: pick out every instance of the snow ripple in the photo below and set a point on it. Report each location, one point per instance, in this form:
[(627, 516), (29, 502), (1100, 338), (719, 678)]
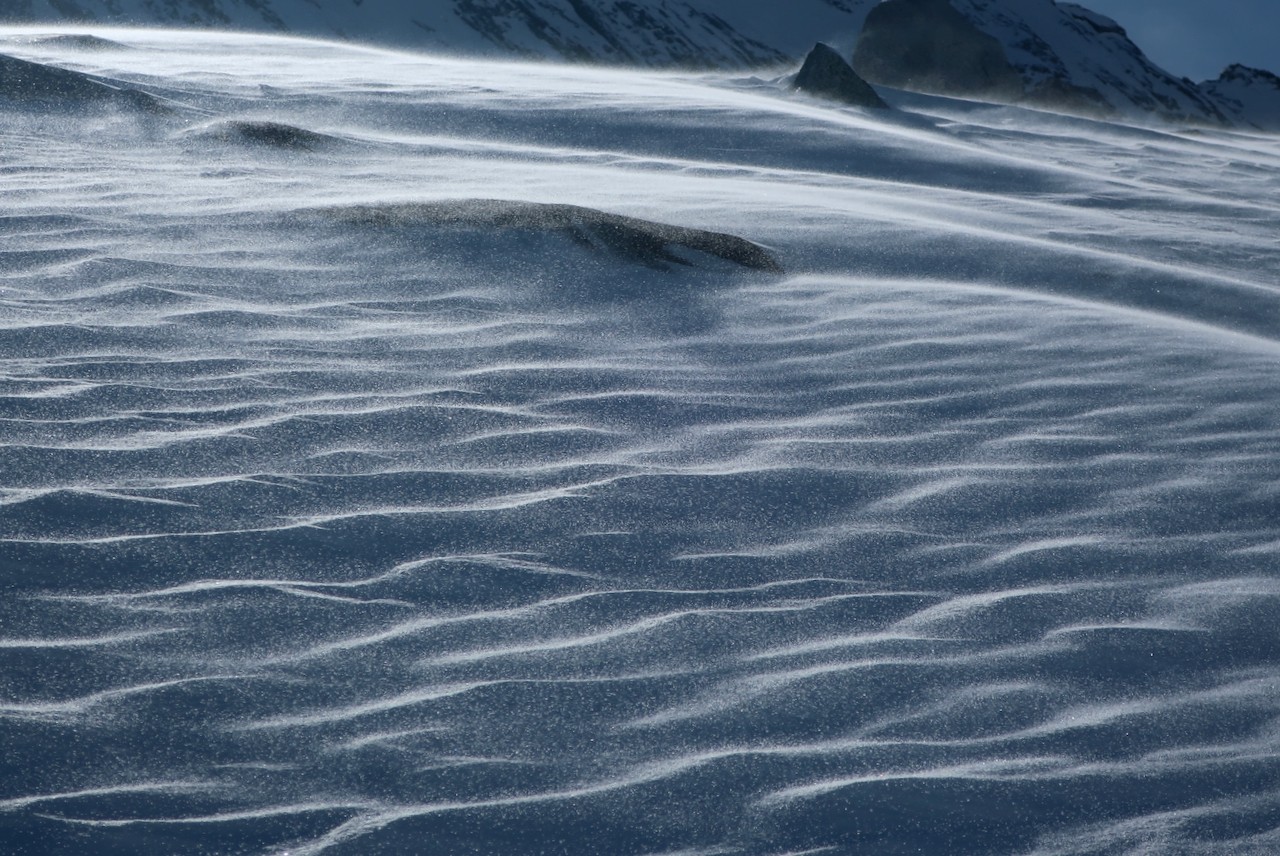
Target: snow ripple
[(336, 537)]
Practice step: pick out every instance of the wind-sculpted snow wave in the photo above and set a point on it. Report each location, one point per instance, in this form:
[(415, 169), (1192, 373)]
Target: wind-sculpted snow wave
[(32, 85), (335, 520), (643, 241), (259, 132)]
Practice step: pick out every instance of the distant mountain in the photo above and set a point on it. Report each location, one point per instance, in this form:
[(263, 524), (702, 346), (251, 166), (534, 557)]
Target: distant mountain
[(1250, 96), (1057, 55)]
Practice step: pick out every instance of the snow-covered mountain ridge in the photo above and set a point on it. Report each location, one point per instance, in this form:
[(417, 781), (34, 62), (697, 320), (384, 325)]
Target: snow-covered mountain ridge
[(1059, 55), (1251, 96), (700, 33)]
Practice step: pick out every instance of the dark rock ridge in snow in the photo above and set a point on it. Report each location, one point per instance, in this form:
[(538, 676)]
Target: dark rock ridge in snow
[(642, 241), (1059, 56), (29, 85), (1251, 96), (826, 74)]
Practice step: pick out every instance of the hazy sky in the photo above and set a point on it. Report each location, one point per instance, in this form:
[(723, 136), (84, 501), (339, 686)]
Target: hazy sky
[(1198, 38)]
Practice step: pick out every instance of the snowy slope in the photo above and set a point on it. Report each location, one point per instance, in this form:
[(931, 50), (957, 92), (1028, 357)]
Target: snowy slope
[(706, 33), (1065, 56), (1249, 95), (338, 515), (1069, 45), (1056, 55)]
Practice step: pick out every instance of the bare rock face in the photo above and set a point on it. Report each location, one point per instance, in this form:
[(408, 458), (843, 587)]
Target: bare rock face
[(928, 46), (827, 75)]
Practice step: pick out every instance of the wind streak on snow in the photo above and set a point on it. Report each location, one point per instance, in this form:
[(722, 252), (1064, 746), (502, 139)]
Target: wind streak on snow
[(345, 536)]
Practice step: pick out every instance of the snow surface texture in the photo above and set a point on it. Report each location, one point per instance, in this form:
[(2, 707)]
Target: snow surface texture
[(330, 527)]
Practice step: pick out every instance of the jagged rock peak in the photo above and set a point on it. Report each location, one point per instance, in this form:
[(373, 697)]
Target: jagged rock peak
[(826, 74)]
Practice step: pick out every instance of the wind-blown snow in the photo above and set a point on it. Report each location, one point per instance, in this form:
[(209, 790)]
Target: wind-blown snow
[(1068, 45), (689, 33), (357, 534)]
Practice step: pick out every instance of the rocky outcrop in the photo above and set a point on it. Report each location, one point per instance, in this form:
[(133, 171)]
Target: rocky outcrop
[(826, 74)]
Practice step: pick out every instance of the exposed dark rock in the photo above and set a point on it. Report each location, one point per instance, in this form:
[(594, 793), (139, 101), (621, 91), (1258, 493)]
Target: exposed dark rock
[(643, 241), (262, 133), (31, 84), (826, 74), (928, 46)]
